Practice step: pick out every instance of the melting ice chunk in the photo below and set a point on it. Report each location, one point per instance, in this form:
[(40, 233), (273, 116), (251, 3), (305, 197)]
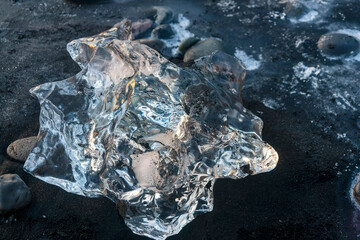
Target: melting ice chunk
[(145, 133)]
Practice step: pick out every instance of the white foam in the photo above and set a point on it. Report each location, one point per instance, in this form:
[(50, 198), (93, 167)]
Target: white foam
[(310, 16), (277, 15), (180, 33), (227, 5), (300, 41), (271, 103), (248, 60), (305, 73), (341, 100)]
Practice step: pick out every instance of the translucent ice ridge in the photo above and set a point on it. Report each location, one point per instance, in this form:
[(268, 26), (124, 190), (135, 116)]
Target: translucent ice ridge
[(149, 135)]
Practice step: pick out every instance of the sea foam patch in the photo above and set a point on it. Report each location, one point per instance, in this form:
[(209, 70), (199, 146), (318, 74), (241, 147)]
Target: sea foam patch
[(249, 61), (310, 16), (180, 33), (227, 5)]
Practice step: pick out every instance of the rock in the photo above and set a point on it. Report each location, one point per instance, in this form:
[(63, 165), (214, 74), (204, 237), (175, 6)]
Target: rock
[(357, 192), (163, 31), (141, 27), (156, 44), (295, 9), (203, 48), (187, 43), (338, 44), (167, 53), (14, 194), (21, 148), (161, 15)]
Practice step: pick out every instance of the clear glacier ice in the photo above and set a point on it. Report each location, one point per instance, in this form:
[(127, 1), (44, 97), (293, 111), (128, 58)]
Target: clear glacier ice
[(147, 134)]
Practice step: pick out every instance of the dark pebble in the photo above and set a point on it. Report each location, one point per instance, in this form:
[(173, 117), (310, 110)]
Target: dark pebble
[(160, 15), (187, 43), (295, 9), (14, 194), (203, 48), (163, 31), (338, 44)]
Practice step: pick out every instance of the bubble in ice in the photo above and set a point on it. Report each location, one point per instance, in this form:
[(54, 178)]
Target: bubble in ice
[(148, 135)]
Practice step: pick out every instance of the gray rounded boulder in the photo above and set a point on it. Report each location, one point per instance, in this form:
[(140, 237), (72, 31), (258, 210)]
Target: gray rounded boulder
[(14, 194), (295, 9), (187, 43), (203, 48), (159, 14), (163, 31), (338, 44), (163, 15)]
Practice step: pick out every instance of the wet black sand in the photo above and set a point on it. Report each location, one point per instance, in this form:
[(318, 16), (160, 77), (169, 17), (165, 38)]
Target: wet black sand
[(303, 198)]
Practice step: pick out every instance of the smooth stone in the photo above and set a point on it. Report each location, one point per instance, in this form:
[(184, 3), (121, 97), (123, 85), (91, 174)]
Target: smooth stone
[(203, 48), (160, 15), (163, 15), (156, 44), (21, 148), (357, 192), (338, 44), (295, 9), (14, 194), (187, 43), (163, 31), (141, 27)]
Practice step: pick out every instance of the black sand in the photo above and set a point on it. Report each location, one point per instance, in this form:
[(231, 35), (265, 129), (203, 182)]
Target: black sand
[(303, 198)]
